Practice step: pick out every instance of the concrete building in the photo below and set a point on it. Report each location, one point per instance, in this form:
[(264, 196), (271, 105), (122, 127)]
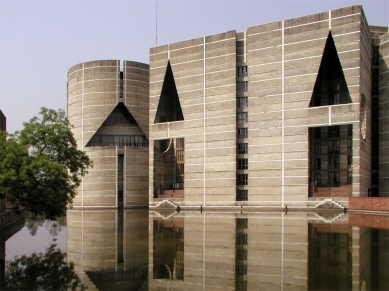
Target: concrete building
[(3, 121), (264, 251), (283, 114), (108, 107), (3, 126)]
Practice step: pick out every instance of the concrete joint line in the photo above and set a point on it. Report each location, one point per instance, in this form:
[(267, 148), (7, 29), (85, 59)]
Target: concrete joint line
[(283, 113), (204, 121), (329, 115), (329, 20), (82, 128)]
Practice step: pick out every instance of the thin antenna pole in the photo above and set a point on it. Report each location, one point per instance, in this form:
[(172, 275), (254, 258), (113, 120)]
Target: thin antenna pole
[(156, 23)]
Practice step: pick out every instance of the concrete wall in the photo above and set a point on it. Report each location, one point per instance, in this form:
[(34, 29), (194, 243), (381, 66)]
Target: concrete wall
[(283, 60), (384, 116), (94, 91), (108, 244), (204, 71), (276, 244)]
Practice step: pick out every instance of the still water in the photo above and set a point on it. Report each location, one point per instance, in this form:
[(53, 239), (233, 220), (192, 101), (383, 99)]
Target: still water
[(167, 250)]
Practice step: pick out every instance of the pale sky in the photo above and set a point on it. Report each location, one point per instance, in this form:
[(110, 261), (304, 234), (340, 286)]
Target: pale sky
[(41, 39)]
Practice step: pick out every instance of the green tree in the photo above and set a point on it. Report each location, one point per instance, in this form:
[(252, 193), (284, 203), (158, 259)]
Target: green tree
[(40, 166), (48, 271)]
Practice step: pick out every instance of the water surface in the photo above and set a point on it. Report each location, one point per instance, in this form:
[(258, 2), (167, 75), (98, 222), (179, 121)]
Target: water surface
[(166, 250)]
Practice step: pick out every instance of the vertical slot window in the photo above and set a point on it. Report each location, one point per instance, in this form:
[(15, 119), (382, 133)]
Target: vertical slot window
[(121, 85), (120, 180)]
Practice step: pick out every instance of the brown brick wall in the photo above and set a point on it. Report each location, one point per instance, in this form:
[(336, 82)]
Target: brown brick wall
[(369, 203), (367, 220)]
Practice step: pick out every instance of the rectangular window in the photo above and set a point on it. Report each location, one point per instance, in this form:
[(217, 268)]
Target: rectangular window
[(334, 131), (120, 179), (317, 164), (350, 130), (242, 102), (317, 179), (333, 178), (333, 146), (242, 117), (333, 162), (242, 195), (241, 254), (241, 238), (242, 87), (242, 179), (243, 132), (241, 223), (121, 85), (180, 143), (241, 269), (241, 285), (317, 148), (243, 148), (241, 71), (242, 164), (317, 132)]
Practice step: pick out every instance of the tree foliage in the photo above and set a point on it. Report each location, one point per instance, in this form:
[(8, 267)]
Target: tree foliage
[(40, 166), (48, 271), (33, 222)]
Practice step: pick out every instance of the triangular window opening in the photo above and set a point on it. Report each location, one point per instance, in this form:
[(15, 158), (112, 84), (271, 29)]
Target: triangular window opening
[(120, 117), (169, 107), (330, 87)]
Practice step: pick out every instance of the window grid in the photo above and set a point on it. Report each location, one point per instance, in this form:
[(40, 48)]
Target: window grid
[(242, 117), (242, 87), (243, 132), (242, 195), (243, 148), (242, 164), (242, 102), (242, 179)]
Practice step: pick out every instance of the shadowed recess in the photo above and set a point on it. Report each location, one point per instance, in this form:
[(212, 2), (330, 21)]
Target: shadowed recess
[(330, 86), (169, 107), (119, 129)]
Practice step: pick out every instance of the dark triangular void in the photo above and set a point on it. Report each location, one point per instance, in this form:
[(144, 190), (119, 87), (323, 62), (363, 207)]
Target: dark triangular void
[(330, 87), (119, 129), (169, 107)]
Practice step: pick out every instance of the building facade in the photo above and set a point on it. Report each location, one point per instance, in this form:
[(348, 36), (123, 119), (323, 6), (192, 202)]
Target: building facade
[(3, 121), (3, 126), (108, 108), (284, 114)]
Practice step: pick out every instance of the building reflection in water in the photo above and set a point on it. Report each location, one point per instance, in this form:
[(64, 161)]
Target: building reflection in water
[(142, 250), (168, 249), (109, 248), (330, 256)]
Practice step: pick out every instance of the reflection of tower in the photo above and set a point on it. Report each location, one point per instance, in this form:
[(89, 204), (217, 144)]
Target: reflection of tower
[(241, 254), (168, 254), (330, 258), (108, 108), (109, 248)]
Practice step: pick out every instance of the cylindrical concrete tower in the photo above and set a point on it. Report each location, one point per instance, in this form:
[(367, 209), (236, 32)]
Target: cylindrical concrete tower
[(108, 107)]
